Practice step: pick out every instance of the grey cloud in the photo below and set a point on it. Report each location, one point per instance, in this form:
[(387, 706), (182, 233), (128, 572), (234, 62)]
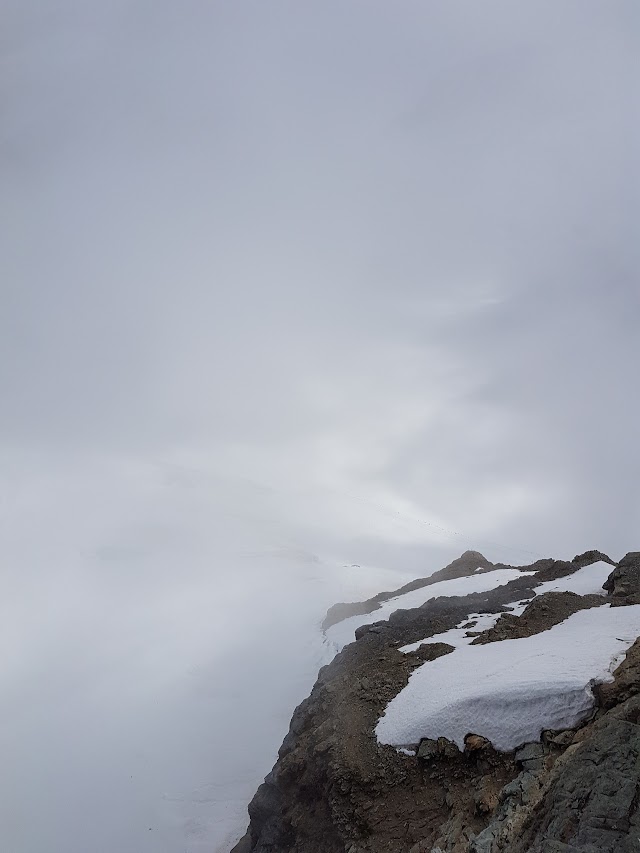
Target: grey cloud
[(354, 281)]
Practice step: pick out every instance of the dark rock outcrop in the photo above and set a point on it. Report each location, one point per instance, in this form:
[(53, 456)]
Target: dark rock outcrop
[(590, 557), (623, 584), (543, 613), (626, 683)]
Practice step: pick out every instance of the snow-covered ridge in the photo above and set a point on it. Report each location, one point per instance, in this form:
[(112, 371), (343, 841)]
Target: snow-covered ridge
[(510, 690), (342, 633), (585, 581)]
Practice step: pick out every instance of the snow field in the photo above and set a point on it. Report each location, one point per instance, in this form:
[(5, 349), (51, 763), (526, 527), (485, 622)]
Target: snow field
[(586, 581), (510, 690)]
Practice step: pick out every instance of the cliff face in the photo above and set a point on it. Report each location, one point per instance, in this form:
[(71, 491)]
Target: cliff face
[(337, 789)]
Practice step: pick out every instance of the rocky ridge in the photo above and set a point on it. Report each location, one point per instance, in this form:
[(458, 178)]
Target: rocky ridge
[(335, 789), (466, 564)]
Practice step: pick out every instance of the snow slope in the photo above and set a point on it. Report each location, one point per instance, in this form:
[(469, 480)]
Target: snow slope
[(586, 581), (510, 690), (343, 633)]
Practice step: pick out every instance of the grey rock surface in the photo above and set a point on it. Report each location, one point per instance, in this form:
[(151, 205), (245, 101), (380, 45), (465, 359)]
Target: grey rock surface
[(589, 557), (591, 801), (623, 584)]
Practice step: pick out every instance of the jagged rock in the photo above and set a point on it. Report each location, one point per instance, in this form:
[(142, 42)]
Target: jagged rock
[(428, 749), (591, 799), (515, 802), (623, 584), (528, 752), (530, 756), (590, 557), (543, 613), (560, 739), (484, 802), (563, 739), (447, 748), (551, 570)]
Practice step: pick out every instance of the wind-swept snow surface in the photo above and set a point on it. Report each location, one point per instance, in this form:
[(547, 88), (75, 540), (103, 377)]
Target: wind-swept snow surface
[(585, 581), (510, 690), (343, 633)]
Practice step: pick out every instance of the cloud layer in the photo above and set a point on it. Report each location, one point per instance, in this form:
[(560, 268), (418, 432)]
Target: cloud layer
[(317, 283)]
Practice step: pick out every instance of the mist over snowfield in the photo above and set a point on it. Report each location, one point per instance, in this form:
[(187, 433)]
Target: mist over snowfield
[(148, 620), (161, 624), (285, 288)]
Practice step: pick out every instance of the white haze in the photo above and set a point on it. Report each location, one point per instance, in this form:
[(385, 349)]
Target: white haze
[(285, 288)]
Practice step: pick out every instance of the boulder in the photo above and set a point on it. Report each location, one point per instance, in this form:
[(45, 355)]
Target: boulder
[(623, 584), (473, 743), (428, 749)]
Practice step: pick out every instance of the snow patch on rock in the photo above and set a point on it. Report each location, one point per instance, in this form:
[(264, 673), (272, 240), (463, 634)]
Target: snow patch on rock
[(586, 581), (343, 633), (510, 690), (456, 637)]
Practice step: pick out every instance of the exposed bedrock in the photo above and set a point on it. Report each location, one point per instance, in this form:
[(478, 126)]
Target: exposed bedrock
[(623, 584), (543, 613)]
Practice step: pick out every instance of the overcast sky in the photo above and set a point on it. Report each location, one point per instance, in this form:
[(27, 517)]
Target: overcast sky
[(300, 284)]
